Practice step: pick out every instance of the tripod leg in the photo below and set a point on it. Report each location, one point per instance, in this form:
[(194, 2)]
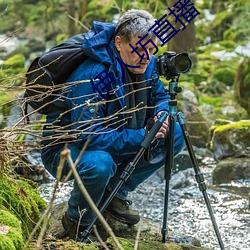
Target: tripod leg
[(129, 168), (168, 173), (199, 177)]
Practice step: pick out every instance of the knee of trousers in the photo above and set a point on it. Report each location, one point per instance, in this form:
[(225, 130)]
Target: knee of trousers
[(179, 142), (97, 165)]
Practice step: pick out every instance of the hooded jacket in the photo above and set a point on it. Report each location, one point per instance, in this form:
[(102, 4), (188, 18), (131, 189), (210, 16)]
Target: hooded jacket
[(92, 119)]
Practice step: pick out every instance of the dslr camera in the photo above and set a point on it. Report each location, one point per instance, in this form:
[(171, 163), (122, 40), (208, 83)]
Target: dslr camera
[(171, 65)]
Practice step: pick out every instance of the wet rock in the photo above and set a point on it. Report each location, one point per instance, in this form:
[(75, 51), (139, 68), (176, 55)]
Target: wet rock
[(31, 167), (197, 125), (231, 139), (231, 169), (150, 234), (181, 179)]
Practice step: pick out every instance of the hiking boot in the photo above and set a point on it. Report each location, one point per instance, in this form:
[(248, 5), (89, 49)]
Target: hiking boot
[(75, 231), (121, 211)]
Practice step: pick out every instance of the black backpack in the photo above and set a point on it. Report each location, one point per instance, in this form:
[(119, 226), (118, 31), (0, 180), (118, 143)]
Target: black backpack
[(48, 73)]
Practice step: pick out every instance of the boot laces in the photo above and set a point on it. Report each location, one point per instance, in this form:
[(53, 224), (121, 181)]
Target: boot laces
[(127, 203)]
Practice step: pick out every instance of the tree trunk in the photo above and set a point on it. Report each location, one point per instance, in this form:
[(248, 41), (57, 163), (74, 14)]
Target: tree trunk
[(83, 7), (185, 40), (72, 14)]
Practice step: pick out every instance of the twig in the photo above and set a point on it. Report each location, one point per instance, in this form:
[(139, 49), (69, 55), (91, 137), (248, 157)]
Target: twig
[(66, 154), (77, 21), (137, 236), (45, 217), (99, 238)]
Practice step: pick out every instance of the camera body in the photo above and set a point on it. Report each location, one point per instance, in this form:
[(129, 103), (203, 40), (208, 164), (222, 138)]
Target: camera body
[(171, 65)]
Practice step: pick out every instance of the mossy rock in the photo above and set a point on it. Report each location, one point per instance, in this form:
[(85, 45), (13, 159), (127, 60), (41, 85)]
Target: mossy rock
[(13, 70), (231, 169), (232, 139), (225, 75), (22, 200), (219, 107), (128, 244), (16, 61), (150, 235), (10, 231)]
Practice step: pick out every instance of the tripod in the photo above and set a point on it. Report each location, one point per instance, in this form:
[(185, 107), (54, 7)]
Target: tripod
[(173, 90), (169, 163)]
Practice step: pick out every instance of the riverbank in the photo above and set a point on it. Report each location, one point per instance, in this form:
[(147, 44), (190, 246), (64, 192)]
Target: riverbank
[(188, 215)]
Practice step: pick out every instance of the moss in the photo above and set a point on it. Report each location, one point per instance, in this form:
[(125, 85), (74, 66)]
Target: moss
[(236, 125), (219, 103), (16, 237), (16, 61), (128, 244), (212, 100), (10, 220), (13, 71), (22, 200), (224, 75), (6, 243), (220, 24), (13, 239), (221, 132), (229, 45)]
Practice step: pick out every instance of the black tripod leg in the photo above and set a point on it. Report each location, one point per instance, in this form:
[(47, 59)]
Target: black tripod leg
[(199, 176), (168, 173), (129, 169)]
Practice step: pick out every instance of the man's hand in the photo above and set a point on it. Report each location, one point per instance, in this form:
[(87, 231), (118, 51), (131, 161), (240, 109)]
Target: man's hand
[(164, 128)]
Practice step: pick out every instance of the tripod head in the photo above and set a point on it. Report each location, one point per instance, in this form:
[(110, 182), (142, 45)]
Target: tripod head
[(174, 89)]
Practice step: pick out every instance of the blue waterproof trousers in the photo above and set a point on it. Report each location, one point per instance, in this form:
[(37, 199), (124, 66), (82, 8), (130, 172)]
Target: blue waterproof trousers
[(100, 170)]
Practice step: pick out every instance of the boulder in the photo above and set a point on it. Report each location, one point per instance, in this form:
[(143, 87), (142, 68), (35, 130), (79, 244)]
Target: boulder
[(231, 169), (231, 139), (197, 125), (150, 235)]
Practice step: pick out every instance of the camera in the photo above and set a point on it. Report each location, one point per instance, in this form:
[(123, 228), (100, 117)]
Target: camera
[(171, 65)]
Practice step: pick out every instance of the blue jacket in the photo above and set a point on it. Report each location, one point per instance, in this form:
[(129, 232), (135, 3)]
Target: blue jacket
[(106, 132)]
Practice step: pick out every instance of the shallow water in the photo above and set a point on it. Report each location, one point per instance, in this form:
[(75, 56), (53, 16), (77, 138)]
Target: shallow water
[(188, 215)]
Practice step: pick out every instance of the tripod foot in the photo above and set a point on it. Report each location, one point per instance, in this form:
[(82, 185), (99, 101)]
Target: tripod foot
[(164, 232)]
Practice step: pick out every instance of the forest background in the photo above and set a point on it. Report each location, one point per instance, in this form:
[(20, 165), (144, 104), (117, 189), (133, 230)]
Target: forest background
[(217, 41)]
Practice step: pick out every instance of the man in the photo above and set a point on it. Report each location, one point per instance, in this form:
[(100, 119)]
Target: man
[(113, 128)]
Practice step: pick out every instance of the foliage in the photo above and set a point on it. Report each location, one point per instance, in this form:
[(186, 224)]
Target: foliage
[(224, 75), (229, 23)]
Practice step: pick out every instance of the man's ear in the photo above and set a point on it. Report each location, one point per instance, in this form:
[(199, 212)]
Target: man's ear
[(118, 42)]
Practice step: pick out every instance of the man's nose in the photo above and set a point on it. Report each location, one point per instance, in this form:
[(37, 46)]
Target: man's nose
[(147, 56)]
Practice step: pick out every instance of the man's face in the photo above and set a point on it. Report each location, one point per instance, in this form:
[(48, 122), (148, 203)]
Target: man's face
[(133, 59)]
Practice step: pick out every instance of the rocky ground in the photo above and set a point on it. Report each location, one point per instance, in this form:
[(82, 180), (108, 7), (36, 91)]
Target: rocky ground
[(149, 236)]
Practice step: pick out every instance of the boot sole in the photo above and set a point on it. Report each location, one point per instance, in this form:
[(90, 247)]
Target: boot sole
[(121, 219)]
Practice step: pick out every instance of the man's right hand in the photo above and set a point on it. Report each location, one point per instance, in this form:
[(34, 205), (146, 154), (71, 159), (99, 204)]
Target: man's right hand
[(164, 128)]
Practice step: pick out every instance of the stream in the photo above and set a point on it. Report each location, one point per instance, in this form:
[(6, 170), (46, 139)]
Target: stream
[(187, 212)]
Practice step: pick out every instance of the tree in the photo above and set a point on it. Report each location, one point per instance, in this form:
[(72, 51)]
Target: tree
[(185, 40)]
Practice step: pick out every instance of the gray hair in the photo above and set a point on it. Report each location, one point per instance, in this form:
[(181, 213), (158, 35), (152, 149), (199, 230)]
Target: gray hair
[(135, 22)]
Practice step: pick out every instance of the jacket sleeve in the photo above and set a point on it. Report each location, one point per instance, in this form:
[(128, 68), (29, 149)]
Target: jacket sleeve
[(88, 122)]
